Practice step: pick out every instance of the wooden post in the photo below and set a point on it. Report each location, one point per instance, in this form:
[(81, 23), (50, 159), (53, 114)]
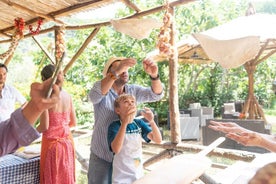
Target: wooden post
[(7, 61), (173, 84), (252, 106)]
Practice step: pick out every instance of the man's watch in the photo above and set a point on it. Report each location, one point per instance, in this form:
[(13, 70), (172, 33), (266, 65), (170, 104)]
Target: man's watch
[(113, 75), (154, 78)]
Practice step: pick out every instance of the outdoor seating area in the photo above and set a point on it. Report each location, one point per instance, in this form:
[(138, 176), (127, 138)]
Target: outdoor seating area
[(189, 127), (192, 119), (191, 123), (203, 113), (232, 110)]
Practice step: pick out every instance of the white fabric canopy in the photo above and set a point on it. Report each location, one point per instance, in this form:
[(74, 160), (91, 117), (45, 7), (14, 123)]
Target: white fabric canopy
[(229, 53), (236, 42), (136, 28), (262, 25)]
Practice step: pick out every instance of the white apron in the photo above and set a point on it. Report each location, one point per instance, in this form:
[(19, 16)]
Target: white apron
[(127, 164)]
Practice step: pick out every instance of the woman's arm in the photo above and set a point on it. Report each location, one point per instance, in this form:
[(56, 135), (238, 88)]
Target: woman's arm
[(44, 122), (73, 119)]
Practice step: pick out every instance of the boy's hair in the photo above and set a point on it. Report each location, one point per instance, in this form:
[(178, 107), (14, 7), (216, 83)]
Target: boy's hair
[(121, 98)]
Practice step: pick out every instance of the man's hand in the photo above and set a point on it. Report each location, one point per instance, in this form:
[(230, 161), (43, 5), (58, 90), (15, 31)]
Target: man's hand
[(125, 65), (228, 127), (128, 116), (249, 138), (39, 102), (150, 67), (38, 95)]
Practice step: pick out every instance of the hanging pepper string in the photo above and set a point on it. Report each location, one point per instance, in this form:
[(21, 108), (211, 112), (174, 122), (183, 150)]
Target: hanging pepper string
[(34, 32), (18, 34), (19, 26)]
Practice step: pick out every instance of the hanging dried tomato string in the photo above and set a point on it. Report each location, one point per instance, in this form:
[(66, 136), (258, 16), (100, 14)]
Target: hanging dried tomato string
[(19, 25), (39, 23)]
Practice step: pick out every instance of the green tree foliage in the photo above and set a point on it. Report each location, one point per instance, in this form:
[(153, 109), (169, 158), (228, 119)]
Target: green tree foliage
[(266, 6)]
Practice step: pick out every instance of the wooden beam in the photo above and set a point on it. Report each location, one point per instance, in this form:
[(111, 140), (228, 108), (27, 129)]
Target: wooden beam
[(7, 61), (80, 7), (62, 12), (84, 45), (266, 56), (5, 34), (44, 50), (266, 46), (195, 148), (260, 51), (164, 154), (159, 8), (131, 5), (136, 15), (87, 26), (28, 10), (30, 35)]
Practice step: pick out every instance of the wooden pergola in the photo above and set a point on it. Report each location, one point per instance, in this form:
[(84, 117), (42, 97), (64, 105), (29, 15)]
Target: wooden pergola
[(15, 13), (51, 11), (54, 11)]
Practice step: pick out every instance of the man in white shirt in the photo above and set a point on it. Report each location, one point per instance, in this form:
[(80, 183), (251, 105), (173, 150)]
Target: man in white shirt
[(9, 95)]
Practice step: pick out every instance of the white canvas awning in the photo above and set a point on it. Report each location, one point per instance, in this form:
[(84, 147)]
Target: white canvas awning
[(238, 41), (230, 53), (136, 28), (245, 41), (227, 35)]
